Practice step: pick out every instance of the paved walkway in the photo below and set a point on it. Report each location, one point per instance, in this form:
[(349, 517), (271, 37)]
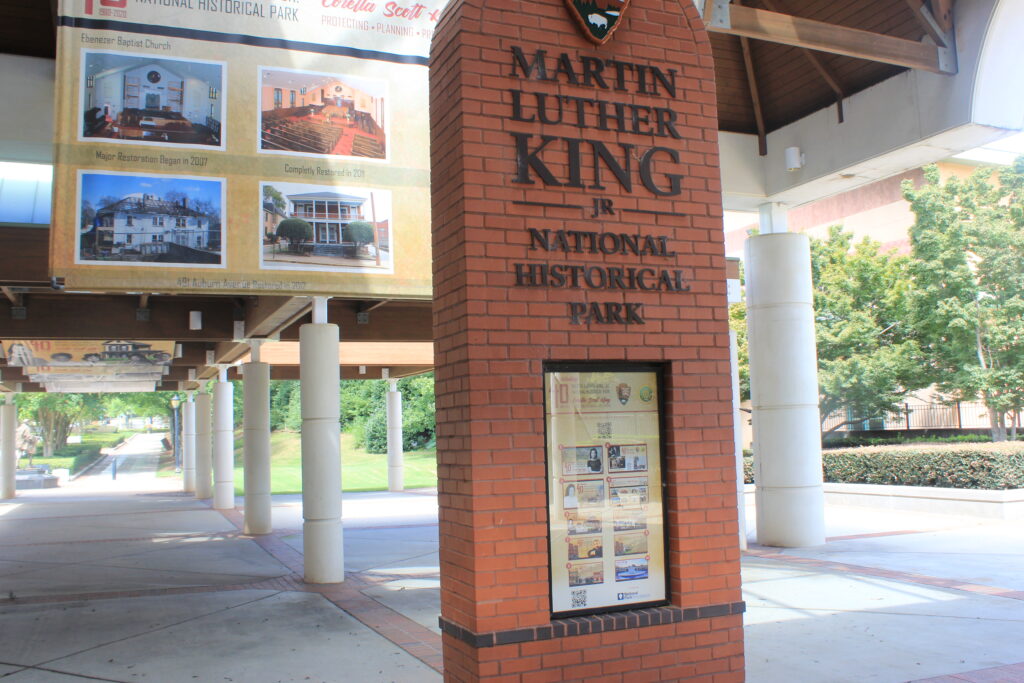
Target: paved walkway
[(130, 580)]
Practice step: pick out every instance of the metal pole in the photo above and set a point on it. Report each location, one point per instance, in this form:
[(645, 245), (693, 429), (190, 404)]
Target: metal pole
[(175, 440)]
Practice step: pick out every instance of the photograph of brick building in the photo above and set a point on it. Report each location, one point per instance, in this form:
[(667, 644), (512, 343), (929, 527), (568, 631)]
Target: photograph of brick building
[(315, 227)]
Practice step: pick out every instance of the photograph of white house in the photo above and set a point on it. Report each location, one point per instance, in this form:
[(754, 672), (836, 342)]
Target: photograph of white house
[(322, 114), (151, 100), (317, 227), (140, 219)]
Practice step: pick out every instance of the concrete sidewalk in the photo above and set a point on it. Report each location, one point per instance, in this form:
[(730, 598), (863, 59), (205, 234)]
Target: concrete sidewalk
[(130, 581)]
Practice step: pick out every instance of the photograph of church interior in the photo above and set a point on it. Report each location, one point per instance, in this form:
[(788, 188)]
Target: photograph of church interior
[(143, 99), (312, 227), (146, 219), (309, 113)]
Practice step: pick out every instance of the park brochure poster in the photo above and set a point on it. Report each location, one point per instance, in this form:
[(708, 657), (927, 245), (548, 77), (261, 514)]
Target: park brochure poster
[(289, 156), (607, 538)]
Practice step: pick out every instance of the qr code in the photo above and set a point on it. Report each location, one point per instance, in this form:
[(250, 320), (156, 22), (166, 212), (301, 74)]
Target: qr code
[(579, 598), (604, 430)]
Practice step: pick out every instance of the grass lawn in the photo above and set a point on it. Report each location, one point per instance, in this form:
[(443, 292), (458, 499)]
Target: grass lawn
[(77, 457), (361, 471)]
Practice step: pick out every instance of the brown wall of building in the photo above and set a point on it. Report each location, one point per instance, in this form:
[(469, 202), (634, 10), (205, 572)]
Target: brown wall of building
[(493, 336)]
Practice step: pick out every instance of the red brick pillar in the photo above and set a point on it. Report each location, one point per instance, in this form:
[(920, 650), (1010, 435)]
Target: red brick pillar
[(636, 144)]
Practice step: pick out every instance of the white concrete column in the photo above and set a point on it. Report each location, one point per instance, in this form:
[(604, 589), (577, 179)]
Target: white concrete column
[(223, 444), (188, 444), (204, 447), (396, 466), (319, 374), (784, 391), (256, 426), (773, 218), (8, 448)]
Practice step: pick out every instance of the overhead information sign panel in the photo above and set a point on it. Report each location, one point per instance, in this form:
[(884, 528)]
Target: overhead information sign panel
[(289, 156), (87, 366)]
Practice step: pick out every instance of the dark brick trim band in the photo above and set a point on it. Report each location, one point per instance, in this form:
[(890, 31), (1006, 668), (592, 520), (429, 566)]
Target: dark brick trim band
[(597, 623)]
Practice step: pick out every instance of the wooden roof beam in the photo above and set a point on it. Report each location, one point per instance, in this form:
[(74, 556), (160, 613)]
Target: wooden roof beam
[(941, 36), (786, 29), (815, 61), (755, 97)]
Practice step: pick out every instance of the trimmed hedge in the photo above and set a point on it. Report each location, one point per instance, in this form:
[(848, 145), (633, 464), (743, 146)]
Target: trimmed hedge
[(958, 466)]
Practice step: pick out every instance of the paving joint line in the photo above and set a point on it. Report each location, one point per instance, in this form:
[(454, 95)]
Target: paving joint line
[(347, 596), (906, 577)]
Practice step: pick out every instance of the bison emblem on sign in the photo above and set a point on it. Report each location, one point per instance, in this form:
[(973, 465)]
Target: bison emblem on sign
[(598, 18)]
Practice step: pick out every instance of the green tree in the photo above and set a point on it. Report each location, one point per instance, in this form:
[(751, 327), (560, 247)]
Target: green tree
[(273, 195), (296, 231), (56, 414), (868, 358), (968, 300), (363, 412), (360, 232)]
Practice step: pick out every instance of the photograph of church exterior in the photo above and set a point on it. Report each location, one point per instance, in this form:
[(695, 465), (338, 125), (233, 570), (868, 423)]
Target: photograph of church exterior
[(143, 99), (313, 227), (322, 114), (145, 219)]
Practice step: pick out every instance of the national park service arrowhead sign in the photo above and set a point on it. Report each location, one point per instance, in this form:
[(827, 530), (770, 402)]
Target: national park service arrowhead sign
[(598, 19)]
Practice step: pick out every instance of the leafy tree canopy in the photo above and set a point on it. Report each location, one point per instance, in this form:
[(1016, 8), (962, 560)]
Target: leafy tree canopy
[(868, 358), (967, 301), (295, 230), (360, 232)]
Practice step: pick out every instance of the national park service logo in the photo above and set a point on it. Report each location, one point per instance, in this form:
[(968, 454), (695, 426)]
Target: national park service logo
[(598, 18)]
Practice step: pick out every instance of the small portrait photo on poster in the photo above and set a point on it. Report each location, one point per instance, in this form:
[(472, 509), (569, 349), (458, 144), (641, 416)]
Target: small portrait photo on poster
[(325, 228), (582, 459), (150, 220), (585, 493), (585, 547), (627, 458), (151, 100), (586, 573), (321, 114)]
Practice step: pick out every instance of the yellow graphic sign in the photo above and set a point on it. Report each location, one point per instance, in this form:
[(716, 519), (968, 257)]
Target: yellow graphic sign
[(605, 507), (290, 156)]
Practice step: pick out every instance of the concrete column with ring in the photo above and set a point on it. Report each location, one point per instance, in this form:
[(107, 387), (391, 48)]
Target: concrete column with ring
[(204, 446), (256, 449), (320, 375), (188, 443), (784, 389), (8, 447), (223, 443), (396, 467)]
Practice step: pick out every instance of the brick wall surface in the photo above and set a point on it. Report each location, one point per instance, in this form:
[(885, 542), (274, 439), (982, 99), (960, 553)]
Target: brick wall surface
[(492, 338)]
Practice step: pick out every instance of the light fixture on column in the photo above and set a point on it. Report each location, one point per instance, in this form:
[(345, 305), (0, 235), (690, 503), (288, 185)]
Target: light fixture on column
[(177, 351), (195, 320), (362, 369), (794, 159), (211, 357), (192, 374), (385, 373)]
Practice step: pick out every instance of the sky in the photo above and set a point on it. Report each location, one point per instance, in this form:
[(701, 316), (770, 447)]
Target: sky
[(98, 185)]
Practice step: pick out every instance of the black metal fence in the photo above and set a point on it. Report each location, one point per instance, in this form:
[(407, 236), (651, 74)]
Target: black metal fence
[(918, 416)]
